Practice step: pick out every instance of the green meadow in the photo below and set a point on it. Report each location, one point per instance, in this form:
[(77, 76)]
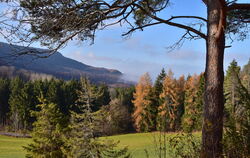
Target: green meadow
[(11, 147), (137, 143)]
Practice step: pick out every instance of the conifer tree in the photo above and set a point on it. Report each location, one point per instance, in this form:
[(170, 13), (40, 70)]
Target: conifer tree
[(21, 102), (168, 111), (4, 97), (200, 102), (245, 76), (104, 97), (81, 131), (181, 95), (237, 122), (157, 90), (142, 103), (159, 83), (40, 87), (191, 116), (54, 94), (81, 140), (125, 95), (16, 85), (47, 132), (69, 89), (26, 104), (231, 85)]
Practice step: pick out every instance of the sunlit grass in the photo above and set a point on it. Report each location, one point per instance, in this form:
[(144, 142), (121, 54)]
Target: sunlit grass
[(11, 147), (137, 143)]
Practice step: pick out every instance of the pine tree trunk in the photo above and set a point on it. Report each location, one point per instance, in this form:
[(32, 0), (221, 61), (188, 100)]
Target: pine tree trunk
[(214, 78)]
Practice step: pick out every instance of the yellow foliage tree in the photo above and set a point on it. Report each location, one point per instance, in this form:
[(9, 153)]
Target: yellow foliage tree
[(168, 111), (141, 102)]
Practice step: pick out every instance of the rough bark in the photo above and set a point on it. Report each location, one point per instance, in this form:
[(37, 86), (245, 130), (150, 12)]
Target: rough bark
[(214, 78)]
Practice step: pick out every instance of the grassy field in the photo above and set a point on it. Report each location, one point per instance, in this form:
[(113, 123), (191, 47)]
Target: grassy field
[(137, 144), (11, 147)]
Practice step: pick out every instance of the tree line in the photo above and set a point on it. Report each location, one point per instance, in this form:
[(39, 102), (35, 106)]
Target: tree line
[(170, 104), (181, 100), (18, 98), (53, 136)]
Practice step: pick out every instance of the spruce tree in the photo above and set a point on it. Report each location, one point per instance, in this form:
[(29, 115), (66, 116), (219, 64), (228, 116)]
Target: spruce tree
[(158, 83), (26, 104), (4, 98), (54, 94), (81, 140), (200, 102), (125, 95), (69, 89), (47, 139), (21, 102), (103, 98), (40, 87), (192, 111), (245, 76), (231, 85), (157, 90), (237, 122), (16, 85), (181, 96)]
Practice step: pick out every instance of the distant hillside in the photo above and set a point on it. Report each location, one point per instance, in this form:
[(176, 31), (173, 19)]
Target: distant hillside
[(56, 65)]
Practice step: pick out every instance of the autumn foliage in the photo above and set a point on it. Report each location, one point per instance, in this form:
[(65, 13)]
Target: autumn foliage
[(141, 102)]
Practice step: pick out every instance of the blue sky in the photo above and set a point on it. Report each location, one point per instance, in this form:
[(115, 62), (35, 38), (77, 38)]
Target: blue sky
[(145, 51)]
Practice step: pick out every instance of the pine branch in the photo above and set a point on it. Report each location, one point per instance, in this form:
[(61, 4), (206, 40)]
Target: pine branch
[(239, 6), (169, 22)]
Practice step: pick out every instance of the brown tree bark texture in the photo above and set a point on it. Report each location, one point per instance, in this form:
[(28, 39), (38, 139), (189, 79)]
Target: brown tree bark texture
[(214, 78)]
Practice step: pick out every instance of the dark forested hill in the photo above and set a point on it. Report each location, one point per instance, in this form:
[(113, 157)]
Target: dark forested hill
[(56, 65)]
